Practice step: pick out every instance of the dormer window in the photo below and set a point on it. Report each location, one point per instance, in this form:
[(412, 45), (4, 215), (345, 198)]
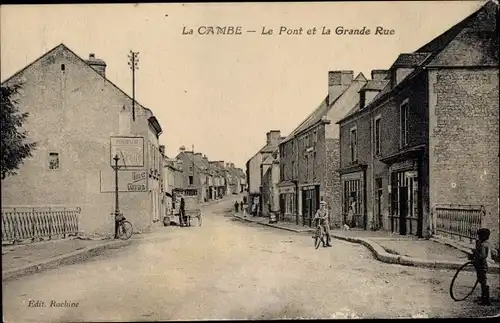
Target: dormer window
[(362, 99)]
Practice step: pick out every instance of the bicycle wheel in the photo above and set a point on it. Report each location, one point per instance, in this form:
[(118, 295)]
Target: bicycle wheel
[(464, 282), (317, 238), (125, 230)]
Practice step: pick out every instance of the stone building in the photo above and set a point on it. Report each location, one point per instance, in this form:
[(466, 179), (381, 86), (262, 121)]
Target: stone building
[(254, 167), (423, 154), (309, 156), (220, 179), (173, 183), (79, 118), (270, 180), (194, 172)]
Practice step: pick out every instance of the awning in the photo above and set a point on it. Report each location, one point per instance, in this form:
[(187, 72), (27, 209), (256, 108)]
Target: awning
[(405, 154)]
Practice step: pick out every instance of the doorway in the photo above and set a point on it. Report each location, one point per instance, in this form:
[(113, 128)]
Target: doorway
[(404, 200), (310, 204), (403, 209), (379, 197)]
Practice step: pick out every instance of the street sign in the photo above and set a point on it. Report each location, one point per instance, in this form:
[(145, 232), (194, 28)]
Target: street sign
[(128, 181), (130, 150)]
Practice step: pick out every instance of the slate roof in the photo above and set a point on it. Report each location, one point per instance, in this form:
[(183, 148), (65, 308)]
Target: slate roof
[(410, 59), (479, 28), (374, 85), (319, 112), (63, 47)]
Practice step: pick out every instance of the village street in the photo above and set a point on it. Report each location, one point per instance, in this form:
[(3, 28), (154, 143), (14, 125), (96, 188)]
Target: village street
[(227, 269)]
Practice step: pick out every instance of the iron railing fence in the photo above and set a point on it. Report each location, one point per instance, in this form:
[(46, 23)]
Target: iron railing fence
[(31, 222), (457, 221)]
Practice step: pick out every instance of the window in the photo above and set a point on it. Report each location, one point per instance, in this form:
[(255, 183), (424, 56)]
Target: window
[(289, 203), (306, 143), (362, 99), (190, 180), (310, 141), (53, 161), (314, 165), (377, 136), (315, 137), (307, 167), (404, 111), (352, 196), (63, 67), (293, 169), (354, 145)]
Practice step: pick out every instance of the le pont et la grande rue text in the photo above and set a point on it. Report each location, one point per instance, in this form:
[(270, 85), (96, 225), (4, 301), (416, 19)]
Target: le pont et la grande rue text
[(287, 31)]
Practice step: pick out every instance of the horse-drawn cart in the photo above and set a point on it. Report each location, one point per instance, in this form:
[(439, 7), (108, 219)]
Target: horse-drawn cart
[(192, 210)]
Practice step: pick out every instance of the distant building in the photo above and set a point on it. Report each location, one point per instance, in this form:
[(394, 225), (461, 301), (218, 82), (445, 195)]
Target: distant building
[(254, 169), (173, 184), (76, 114), (194, 173), (220, 179), (270, 193)]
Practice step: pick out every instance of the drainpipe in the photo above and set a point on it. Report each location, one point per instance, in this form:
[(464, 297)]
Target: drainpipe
[(420, 228), (296, 182), (372, 169)]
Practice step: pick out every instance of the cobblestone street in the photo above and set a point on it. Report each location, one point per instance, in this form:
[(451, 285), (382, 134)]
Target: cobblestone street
[(228, 269)]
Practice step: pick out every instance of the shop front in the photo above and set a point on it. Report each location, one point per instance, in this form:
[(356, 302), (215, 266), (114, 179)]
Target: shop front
[(288, 198), (406, 217), (310, 203)]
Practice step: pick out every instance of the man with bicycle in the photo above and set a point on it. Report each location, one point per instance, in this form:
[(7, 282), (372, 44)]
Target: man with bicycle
[(322, 216)]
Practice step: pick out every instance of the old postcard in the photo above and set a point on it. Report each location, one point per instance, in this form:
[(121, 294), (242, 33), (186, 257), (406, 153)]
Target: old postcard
[(250, 161)]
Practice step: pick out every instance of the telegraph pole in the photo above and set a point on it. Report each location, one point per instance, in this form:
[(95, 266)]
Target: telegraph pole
[(117, 208), (133, 63)]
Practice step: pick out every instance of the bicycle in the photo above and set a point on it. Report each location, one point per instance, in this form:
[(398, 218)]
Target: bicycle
[(319, 235), (461, 284), (124, 228)]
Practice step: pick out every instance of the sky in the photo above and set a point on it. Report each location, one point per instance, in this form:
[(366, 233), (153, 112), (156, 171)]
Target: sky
[(222, 93)]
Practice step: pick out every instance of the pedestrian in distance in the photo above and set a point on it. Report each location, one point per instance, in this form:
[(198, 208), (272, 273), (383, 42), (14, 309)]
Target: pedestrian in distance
[(322, 216), (480, 259), (236, 206), (182, 211), (241, 206)]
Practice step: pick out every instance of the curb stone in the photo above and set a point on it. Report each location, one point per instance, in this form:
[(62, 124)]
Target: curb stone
[(383, 256), (68, 258)]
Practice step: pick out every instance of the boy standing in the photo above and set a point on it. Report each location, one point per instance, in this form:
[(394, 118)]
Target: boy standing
[(479, 257)]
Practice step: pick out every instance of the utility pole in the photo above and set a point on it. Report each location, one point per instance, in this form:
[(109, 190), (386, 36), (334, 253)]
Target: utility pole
[(117, 208), (133, 63)]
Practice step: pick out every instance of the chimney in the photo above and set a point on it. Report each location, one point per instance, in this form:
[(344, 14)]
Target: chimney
[(182, 149), (220, 163), (205, 157), (97, 64), (379, 74), (197, 154), (273, 137), (228, 165), (338, 81), (162, 150)]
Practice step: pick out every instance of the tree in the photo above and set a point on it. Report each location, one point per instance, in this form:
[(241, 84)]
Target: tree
[(14, 148)]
